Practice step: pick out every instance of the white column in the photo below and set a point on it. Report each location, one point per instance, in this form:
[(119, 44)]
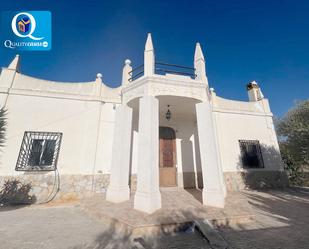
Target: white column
[(213, 194), (148, 196), (118, 189)]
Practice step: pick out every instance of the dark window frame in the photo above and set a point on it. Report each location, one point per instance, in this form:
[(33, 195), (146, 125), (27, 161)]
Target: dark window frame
[(39, 151), (246, 157)]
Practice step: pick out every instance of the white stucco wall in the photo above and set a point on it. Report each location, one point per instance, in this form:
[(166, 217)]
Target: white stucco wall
[(85, 113), (79, 110), (105, 138), (86, 140), (236, 120)]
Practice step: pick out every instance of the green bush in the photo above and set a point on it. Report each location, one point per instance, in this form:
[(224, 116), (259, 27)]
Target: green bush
[(293, 131)]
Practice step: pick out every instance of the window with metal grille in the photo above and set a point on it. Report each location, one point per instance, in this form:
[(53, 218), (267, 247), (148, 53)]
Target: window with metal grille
[(39, 151), (251, 154)]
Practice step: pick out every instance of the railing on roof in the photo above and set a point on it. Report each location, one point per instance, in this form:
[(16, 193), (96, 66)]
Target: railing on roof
[(162, 69), (136, 72)]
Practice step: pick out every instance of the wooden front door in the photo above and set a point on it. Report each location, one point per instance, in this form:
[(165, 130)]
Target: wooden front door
[(167, 165)]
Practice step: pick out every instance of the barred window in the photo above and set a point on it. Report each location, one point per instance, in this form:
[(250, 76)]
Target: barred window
[(251, 154), (39, 151)]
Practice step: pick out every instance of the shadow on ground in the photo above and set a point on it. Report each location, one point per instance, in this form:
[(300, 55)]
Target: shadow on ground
[(15, 194), (113, 239), (282, 221)]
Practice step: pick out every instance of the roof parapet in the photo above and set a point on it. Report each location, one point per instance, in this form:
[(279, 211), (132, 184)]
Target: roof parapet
[(14, 65)]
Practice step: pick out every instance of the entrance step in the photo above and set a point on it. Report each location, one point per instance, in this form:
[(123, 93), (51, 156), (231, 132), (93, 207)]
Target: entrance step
[(179, 207), (194, 235)]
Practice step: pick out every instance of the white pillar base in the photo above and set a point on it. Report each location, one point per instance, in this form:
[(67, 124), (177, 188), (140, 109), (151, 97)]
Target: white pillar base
[(117, 194), (147, 202), (214, 198)]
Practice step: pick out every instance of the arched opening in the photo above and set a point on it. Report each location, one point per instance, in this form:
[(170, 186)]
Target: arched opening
[(181, 128), (183, 121)]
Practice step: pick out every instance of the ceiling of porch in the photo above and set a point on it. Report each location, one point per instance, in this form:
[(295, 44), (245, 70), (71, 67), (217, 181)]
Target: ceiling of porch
[(180, 107)]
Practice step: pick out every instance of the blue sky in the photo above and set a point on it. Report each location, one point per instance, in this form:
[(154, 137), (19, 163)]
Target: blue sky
[(266, 41)]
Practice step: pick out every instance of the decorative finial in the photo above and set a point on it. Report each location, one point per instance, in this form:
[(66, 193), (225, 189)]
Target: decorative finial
[(149, 57), (99, 76), (199, 64), (149, 45), (198, 52), (127, 62), (126, 72)]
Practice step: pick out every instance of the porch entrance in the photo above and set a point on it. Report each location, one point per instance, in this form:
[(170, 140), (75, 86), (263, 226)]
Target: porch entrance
[(167, 159)]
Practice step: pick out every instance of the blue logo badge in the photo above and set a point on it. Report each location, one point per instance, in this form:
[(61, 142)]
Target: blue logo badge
[(26, 30)]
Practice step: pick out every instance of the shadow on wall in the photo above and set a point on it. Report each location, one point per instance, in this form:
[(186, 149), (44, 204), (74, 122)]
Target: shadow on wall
[(14, 192), (270, 175), (188, 163), (191, 163), (198, 161)]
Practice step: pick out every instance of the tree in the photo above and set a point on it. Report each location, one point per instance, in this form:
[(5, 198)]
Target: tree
[(293, 131)]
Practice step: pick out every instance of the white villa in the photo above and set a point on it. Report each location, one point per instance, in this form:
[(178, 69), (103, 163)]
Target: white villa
[(163, 127)]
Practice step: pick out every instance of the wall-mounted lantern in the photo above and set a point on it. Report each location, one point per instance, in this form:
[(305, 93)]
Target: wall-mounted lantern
[(168, 114)]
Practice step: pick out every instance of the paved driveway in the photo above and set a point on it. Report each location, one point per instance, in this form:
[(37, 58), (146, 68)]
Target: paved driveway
[(69, 227), (282, 221), (47, 228)]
